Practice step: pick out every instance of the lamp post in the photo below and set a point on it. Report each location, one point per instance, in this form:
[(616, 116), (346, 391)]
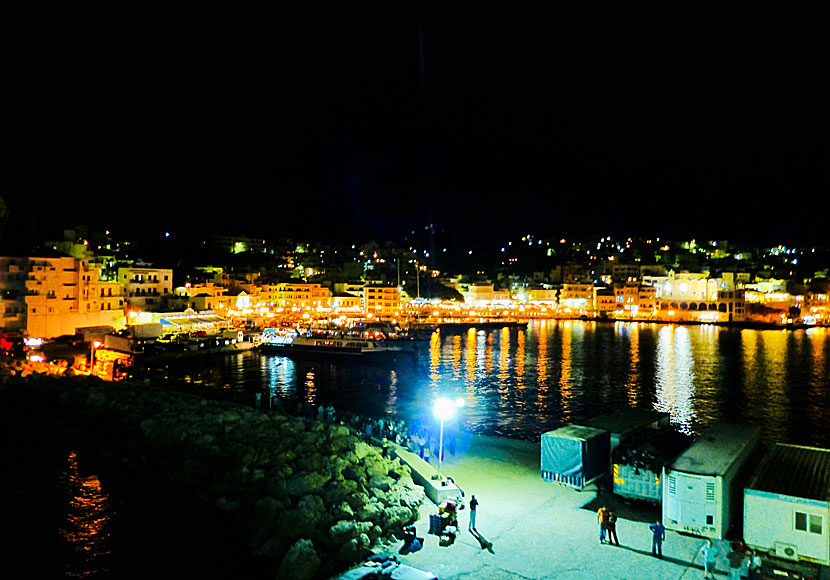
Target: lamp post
[(95, 344), (444, 409)]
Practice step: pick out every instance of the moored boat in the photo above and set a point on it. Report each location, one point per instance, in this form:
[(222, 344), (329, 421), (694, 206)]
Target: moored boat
[(329, 342)]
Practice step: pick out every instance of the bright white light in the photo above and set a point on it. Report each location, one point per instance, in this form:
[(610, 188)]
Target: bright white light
[(444, 408)]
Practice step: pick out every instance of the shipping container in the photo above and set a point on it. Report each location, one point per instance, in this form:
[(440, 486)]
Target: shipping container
[(703, 486), (574, 455), (787, 507), (637, 462)]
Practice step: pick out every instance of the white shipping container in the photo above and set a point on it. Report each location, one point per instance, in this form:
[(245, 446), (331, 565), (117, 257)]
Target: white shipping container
[(703, 487), (787, 504)]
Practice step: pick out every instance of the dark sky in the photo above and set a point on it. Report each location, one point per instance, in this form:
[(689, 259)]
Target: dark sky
[(379, 120)]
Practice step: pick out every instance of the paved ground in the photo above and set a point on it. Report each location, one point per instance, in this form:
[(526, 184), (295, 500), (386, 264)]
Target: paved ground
[(532, 529)]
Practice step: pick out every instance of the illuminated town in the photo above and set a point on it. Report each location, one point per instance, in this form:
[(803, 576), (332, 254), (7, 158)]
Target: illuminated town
[(91, 282)]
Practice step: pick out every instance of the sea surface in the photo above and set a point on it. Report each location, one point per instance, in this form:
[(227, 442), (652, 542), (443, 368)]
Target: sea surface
[(522, 382), (69, 520)]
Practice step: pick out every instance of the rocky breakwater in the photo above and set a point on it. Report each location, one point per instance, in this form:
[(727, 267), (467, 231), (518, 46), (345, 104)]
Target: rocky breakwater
[(312, 498)]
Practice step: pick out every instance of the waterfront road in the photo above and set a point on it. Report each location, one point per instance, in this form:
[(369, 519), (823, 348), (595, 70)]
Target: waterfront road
[(528, 528)]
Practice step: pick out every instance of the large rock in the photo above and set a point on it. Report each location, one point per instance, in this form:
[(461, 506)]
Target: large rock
[(372, 511), (305, 483), (362, 449), (264, 521), (341, 511), (354, 550), (297, 524), (348, 529), (381, 482), (398, 517), (300, 563)]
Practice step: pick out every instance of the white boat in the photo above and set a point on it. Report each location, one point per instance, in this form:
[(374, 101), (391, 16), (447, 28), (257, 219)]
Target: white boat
[(328, 341)]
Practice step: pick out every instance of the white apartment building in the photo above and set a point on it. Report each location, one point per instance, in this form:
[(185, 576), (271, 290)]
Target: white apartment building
[(144, 286), (541, 296), (381, 301), (291, 295), (484, 295), (58, 295)]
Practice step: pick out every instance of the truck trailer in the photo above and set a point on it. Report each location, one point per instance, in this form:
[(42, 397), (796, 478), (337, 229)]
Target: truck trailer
[(787, 511), (637, 462), (574, 455), (703, 486)]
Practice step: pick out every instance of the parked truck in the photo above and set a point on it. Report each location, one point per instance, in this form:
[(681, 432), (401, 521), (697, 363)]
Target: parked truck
[(702, 491), (787, 512), (637, 462), (574, 455)]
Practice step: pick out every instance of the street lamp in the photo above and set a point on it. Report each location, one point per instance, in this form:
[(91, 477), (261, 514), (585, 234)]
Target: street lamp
[(95, 344), (444, 409)]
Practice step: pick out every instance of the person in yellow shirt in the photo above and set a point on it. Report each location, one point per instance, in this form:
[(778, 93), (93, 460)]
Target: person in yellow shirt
[(603, 515)]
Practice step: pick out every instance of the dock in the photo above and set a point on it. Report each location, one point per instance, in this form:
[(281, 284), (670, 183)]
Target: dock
[(527, 528)]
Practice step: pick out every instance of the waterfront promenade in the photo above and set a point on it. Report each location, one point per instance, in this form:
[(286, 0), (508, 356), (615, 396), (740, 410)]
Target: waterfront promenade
[(532, 529)]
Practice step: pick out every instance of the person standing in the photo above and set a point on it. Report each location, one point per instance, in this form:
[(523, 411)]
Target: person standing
[(612, 527), (473, 506), (658, 534), (710, 558), (737, 558), (602, 517), (754, 565)]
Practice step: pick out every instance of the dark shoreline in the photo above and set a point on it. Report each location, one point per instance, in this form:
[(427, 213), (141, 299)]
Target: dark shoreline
[(189, 486), (151, 526)]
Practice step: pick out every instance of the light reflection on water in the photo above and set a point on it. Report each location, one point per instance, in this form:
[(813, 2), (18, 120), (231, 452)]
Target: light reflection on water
[(88, 512), (522, 382)]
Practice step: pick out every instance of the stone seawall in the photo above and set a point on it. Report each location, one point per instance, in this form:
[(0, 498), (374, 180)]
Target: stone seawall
[(312, 498)]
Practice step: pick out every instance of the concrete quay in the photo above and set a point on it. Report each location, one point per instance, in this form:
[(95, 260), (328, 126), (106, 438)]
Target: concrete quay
[(528, 528)]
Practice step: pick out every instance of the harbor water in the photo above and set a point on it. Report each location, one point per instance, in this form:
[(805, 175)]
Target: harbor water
[(522, 382)]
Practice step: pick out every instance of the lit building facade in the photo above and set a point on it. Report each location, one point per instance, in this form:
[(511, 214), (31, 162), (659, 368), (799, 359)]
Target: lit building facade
[(206, 296), (483, 295), (381, 301), (13, 276), (686, 286), (144, 287), (816, 308), (605, 300), (543, 296), (291, 295), (647, 301), (65, 293), (345, 301), (576, 298)]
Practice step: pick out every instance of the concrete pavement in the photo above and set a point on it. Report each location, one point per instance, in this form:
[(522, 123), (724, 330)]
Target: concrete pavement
[(528, 528)]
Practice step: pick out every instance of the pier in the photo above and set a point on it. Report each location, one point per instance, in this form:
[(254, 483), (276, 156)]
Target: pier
[(527, 528)]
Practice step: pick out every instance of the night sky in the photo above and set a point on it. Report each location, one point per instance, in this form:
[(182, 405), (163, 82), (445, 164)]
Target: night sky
[(375, 122)]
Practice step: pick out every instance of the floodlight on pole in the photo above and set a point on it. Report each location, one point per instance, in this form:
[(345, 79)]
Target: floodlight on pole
[(444, 409)]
